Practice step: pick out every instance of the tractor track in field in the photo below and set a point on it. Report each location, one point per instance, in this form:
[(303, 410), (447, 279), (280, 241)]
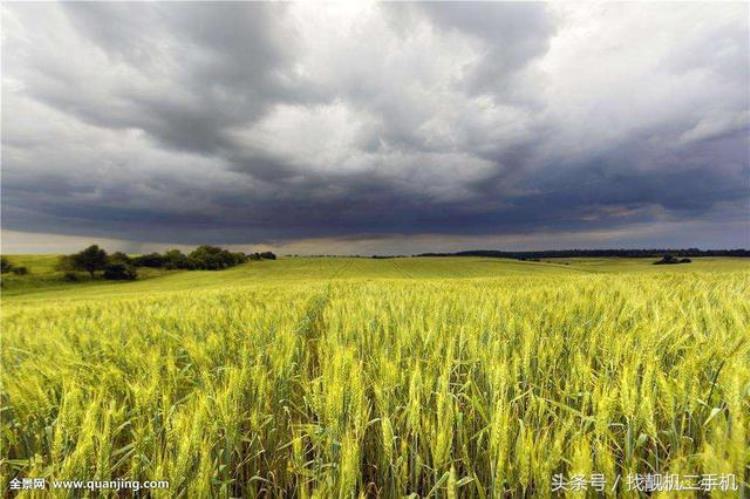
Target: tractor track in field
[(401, 270)]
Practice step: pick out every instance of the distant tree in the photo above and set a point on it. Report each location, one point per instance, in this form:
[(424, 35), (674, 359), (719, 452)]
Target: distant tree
[(670, 260), (666, 260), (90, 260), (266, 255), (176, 259), (120, 272), (5, 265), (239, 258), (20, 270), (212, 258), (119, 257), (154, 260)]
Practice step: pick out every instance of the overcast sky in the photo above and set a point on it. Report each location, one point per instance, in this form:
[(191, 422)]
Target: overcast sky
[(392, 128)]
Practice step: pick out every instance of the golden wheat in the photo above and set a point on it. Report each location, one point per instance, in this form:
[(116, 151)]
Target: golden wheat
[(451, 388)]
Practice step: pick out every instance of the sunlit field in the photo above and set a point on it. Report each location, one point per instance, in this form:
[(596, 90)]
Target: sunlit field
[(344, 377)]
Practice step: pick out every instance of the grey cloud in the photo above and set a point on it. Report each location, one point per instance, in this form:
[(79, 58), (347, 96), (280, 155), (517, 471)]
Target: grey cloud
[(215, 65), (512, 36), (249, 122)]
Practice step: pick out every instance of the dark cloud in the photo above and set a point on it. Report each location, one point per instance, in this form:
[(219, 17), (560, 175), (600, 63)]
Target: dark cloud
[(252, 122), (510, 36)]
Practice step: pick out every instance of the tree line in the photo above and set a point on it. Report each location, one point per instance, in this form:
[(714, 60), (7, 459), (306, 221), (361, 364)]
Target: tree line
[(671, 260), (597, 253), (121, 267)]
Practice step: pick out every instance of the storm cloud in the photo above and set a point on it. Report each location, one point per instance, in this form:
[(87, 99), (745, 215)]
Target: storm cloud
[(270, 123)]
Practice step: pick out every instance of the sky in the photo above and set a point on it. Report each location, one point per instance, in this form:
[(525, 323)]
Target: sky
[(360, 128)]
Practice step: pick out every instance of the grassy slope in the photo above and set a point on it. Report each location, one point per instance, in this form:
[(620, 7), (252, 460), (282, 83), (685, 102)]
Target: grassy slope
[(45, 283)]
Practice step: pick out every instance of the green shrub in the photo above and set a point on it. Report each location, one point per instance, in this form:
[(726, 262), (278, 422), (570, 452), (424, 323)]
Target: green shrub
[(120, 272), (5, 265), (153, 260)]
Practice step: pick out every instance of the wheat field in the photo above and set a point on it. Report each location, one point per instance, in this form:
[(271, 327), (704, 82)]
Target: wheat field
[(351, 378)]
